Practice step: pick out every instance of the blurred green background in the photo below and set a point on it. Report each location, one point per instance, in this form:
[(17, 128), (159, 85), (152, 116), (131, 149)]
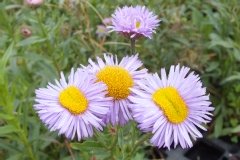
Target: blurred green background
[(36, 43)]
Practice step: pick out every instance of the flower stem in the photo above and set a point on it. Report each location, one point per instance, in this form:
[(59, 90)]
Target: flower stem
[(26, 144), (132, 45), (69, 148)]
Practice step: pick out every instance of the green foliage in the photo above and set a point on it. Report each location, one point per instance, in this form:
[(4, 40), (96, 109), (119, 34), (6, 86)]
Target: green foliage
[(201, 34)]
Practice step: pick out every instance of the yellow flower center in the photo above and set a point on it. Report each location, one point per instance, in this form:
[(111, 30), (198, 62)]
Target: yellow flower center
[(74, 100), (173, 106), (138, 24), (118, 81)]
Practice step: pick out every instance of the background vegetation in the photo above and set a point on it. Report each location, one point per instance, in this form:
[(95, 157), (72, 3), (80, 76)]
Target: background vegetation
[(61, 34)]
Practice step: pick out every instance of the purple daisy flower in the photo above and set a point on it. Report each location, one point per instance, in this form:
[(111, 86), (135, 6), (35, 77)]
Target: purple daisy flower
[(75, 107), (102, 31), (134, 22), (118, 77), (172, 107)]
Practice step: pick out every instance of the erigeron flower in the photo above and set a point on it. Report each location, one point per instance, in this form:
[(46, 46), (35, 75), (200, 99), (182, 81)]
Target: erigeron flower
[(119, 77), (74, 107), (134, 22), (102, 31), (172, 107)]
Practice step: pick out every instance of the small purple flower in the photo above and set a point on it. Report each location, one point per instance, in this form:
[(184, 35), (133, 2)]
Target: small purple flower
[(172, 107), (102, 31), (134, 22), (75, 107)]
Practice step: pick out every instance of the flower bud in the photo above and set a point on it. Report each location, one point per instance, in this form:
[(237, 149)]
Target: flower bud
[(26, 31), (34, 3)]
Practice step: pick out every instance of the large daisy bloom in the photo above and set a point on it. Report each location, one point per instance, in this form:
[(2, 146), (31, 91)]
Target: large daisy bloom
[(119, 78), (172, 107), (74, 107), (134, 22)]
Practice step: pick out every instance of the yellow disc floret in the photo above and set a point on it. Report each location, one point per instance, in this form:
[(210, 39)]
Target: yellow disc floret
[(138, 24), (118, 81), (171, 103), (73, 99)]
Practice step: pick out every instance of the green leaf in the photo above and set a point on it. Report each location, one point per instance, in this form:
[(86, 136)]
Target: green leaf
[(87, 146), (236, 53), (5, 20), (7, 129), (30, 41), (234, 139), (15, 157), (236, 129), (218, 41), (120, 138), (8, 53), (6, 116), (8, 146), (231, 78), (212, 66), (138, 156), (3, 62), (218, 126)]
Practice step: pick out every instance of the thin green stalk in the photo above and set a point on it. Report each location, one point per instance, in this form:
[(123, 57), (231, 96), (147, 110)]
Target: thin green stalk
[(117, 43), (132, 45), (69, 148), (27, 145), (94, 9)]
